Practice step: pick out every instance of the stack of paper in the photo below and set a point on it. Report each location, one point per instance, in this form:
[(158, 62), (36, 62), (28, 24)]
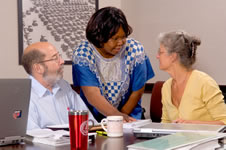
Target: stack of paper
[(48, 136), (136, 124), (97, 126), (222, 142), (177, 140)]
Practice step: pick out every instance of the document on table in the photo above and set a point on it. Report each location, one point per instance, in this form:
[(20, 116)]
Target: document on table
[(66, 127), (209, 145), (132, 125), (59, 127), (177, 140), (136, 124), (48, 136)]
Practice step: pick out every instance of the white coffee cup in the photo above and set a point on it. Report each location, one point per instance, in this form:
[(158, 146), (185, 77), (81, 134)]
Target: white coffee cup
[(114, 126)]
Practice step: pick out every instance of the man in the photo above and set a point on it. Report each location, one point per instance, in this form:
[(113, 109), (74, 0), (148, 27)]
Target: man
[(51, 96)]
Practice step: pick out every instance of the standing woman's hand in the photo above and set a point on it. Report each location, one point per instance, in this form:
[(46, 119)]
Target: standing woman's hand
[(127, 118)]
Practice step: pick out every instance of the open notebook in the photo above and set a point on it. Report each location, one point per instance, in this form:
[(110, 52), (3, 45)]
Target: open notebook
[(14, 105), (153, 130)]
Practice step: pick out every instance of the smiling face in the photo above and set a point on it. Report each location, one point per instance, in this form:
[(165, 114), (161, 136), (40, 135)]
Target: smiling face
[(113, 45)]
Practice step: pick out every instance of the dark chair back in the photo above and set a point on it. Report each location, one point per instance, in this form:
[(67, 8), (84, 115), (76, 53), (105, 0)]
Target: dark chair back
[(156, 104), (76, 88), (224, 97)]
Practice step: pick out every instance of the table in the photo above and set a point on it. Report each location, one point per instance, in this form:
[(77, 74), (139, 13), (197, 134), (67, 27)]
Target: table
[(100, 143), (111, 143)]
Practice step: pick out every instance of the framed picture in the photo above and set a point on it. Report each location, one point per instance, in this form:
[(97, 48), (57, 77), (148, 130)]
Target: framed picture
[(60, 22)]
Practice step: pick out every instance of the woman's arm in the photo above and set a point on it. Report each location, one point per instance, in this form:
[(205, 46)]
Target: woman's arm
[(165, 106), (198, 122), (132, 101), (214, 100), (95, 98), (214, 103)]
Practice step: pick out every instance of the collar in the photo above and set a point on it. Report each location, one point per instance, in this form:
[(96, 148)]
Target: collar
[(40, 89)]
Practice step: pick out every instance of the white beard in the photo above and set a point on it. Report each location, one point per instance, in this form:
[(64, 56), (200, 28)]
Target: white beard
[(53, 78)]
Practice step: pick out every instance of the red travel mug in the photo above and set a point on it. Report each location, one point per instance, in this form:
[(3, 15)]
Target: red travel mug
[(79, 127)]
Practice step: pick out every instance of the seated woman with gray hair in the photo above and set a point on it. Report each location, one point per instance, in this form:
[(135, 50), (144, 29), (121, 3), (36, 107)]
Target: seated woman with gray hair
[(189, 96)]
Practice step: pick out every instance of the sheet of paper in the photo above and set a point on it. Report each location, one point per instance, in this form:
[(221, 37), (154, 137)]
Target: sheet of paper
[(177, 140), (60, 126), (136, 124), (48, 136), (97, 126)]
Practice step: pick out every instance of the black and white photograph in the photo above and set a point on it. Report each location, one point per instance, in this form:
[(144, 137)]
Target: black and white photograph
[(60, 22)]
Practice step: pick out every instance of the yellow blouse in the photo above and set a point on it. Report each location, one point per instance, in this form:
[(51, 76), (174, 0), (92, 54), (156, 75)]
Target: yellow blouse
[(202, 100)]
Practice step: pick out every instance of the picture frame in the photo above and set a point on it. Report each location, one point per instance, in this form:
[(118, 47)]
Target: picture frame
[(60, 22)]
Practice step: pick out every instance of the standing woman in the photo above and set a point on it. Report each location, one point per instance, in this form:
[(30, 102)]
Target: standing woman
[(111, 68), (189, 96)]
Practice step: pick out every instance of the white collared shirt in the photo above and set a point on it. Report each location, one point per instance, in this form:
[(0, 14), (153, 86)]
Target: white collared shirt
[(51, 108)]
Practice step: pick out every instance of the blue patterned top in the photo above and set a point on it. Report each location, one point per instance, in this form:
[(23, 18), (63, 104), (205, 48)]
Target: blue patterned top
[(116, 77)]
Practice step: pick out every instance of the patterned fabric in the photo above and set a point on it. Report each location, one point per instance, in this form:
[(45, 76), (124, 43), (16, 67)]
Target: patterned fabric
[(111, 92), (115, 76)]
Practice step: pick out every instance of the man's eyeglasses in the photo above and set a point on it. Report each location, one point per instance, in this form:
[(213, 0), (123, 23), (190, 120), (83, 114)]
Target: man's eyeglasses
[(55, 58)]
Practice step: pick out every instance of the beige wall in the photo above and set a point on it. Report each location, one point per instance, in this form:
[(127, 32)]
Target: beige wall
[(205, 18), (9, 41)]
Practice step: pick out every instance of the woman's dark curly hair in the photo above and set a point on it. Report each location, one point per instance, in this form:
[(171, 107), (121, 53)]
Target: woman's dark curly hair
[(104, 24)]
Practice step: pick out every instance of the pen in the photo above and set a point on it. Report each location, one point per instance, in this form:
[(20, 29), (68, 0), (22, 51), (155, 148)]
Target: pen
[(101, 133)]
